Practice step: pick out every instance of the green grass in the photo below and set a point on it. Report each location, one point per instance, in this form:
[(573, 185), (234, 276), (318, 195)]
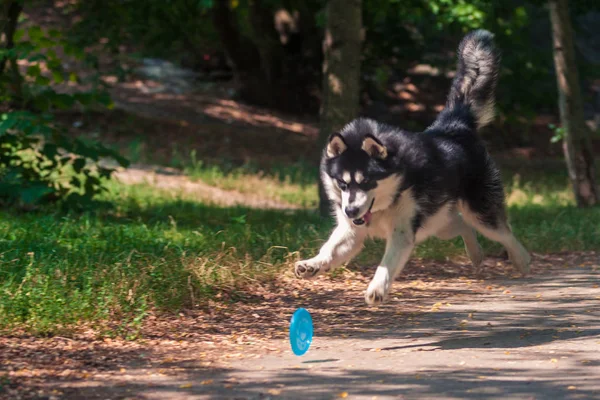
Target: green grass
[(163, 251), (153, 250), (293, 184)]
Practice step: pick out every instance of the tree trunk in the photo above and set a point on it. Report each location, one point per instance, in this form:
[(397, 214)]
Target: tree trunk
[(266, 40), (9, 18), (577, 146), (8, 25), (241, 52), (341, 71)]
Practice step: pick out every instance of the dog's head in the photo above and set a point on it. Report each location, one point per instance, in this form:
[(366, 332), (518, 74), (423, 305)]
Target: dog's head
[(357, 173)]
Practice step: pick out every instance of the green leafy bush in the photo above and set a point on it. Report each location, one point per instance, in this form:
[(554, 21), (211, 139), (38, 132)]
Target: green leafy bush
[(39, 162)]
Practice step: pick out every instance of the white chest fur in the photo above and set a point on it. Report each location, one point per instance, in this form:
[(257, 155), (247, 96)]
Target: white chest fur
[(402, 213), (384, 222)]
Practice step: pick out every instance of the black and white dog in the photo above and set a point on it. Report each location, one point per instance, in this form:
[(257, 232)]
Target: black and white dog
[(403, 186)]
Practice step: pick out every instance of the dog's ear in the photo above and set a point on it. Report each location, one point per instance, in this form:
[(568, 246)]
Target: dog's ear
[(336, 145), (374, 148)]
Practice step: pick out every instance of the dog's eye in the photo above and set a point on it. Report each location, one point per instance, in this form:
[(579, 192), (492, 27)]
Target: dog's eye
[(342, 185)]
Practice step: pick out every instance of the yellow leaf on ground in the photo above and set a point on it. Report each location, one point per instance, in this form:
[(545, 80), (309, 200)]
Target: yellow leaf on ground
[(274, 392), (185, 386), (206, 382), (554, 360), (343, 395), (572, 387)]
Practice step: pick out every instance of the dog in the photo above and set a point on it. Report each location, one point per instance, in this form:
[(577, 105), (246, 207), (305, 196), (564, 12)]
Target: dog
[(404, 186)]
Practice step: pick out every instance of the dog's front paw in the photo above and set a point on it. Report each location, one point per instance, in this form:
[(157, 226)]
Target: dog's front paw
[(308, 269), (378, 289)]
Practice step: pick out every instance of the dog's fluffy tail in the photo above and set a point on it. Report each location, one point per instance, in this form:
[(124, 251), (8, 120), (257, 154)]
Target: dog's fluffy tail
[(477, 73)]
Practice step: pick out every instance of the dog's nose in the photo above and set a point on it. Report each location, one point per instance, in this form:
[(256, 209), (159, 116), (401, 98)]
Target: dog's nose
[(351, 211)]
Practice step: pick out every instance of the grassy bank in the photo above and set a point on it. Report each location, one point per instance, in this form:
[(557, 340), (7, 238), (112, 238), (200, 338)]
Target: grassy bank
[(159, 250)]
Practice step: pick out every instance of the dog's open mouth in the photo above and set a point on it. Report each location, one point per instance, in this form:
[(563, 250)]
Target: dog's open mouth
[(366, 216)]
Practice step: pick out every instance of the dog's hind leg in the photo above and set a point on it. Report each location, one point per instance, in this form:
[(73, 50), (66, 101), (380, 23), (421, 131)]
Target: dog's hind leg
[(457, 226), (345, 242), (495, 227), (397, 252)]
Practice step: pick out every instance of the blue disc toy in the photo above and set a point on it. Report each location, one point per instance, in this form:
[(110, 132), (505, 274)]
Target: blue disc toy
[(301, 331)]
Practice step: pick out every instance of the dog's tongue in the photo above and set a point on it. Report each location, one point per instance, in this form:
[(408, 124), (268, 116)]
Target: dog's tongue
[(364, 219)]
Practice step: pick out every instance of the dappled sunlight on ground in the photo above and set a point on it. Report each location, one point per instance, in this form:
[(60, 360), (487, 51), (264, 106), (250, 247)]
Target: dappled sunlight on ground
[(177, 184), (494, 334), (189, 106)]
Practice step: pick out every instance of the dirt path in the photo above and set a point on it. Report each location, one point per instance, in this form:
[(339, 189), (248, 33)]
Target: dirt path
[(444, 334), (170, 179)]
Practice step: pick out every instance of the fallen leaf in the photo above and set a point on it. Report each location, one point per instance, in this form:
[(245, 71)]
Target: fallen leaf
[(274, 392), (572, 387), (185, 386), (554, 360), (342, 395), (206, 382)]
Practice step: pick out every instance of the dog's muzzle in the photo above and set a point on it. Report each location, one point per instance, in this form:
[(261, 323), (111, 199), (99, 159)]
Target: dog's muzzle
[(366, 216)]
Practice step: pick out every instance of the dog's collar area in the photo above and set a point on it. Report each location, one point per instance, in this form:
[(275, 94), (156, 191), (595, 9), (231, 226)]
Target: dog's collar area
[(366, 216)]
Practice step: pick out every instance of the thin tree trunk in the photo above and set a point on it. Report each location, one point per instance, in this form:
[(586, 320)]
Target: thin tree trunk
[(242, 54), (341, 71), (266, 40), (8, 25), (577, 145), (10, 74)]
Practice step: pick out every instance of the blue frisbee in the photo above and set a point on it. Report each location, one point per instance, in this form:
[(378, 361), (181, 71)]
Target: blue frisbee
[(301, 331)]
